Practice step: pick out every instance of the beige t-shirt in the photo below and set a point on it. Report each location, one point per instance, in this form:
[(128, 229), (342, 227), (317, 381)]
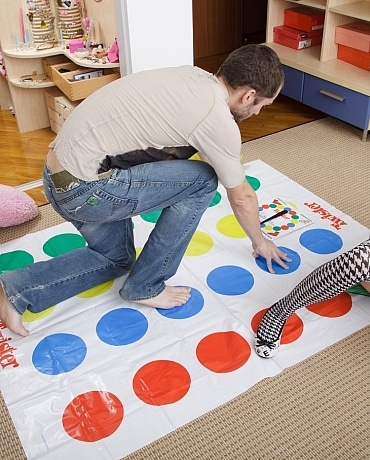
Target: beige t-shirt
[(162, 108)]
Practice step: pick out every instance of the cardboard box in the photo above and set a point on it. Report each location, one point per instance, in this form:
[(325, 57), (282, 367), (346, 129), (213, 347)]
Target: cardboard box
[(77, 90), (306, 19), (294, 38), (354, 35), (354, 56)]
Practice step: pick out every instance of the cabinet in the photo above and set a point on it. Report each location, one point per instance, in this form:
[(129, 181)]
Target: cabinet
[(28, 99), (314, 75), (5, 99), (217, 26)]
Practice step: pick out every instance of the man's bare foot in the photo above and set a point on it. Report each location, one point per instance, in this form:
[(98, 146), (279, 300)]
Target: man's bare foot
[(10, 317), (171, 296)]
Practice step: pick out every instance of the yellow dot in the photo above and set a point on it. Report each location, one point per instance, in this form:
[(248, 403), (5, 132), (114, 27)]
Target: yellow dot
[(229, 226), (28, 316), (292, 205), (97, 290), (199, 244)]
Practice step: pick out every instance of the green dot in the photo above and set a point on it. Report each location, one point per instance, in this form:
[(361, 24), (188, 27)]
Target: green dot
[(151, 216), (15, 259), (61, 244), (216, 199), (272, 205), (295, 216), (276, 228), (253, 182)]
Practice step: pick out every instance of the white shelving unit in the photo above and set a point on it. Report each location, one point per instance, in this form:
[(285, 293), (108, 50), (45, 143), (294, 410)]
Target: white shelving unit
[(319, 66), (150, 35), (28, 100)]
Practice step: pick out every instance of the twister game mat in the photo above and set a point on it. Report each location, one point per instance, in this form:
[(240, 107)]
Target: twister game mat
[(99, 377)]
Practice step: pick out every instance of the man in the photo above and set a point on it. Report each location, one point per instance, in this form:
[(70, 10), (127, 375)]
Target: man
[(110, 162)]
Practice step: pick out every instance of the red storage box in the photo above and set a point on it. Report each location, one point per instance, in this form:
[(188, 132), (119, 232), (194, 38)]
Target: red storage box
[(354, 56), (306, 19), (355, 35), (294, 38)]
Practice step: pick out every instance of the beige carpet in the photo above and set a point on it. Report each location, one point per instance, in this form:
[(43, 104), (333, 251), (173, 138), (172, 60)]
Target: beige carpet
[(320, 408)]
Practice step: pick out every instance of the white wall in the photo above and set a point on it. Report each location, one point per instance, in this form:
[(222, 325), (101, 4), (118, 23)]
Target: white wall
[(154, 33)]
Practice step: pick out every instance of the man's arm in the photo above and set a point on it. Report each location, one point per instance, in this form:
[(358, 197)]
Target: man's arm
[(244, 204)]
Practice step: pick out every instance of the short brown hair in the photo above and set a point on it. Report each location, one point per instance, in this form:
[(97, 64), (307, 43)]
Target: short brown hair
[(253, 66)]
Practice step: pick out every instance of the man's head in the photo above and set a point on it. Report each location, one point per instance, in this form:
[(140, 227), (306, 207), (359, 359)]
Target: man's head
[(255, 75)]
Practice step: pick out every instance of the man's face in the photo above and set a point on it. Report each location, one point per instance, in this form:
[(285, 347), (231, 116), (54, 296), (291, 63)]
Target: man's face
[(250, 105)]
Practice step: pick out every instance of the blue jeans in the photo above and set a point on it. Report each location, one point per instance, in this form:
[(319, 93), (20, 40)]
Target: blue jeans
[(101, 211)]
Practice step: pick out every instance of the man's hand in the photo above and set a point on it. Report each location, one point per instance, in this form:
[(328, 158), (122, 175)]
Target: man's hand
[(270, 252), (243, 201)]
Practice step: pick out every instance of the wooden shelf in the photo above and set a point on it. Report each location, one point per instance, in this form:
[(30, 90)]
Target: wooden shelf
[(339, 72), (57, 50), (44, 84), (358, 10), (321, 61), (318, 4)]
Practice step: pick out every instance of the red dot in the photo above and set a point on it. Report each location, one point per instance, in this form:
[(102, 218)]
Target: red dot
[(161, 382), (292, 213), (293, 328), (284, 227), (223, 351), (265, 206), (92, 416), (333, 308)]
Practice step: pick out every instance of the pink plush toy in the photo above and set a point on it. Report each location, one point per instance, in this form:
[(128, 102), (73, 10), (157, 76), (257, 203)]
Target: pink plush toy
[(16, 207)]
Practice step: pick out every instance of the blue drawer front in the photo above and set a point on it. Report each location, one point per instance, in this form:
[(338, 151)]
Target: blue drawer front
[(293, 83), (335, 100)]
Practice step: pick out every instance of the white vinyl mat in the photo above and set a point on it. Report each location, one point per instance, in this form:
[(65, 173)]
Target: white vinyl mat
[(99, 378)]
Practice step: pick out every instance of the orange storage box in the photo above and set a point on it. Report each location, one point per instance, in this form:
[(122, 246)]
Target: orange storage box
[(306, 19), (354, 56), (355, 35), (294, 38)]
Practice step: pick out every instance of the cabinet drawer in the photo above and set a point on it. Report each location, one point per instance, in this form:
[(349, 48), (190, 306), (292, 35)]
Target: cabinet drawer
[(293, 86), (335, 100), (77, 90)]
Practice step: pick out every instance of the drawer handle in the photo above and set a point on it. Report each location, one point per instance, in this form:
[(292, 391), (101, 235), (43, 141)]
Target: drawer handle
[(332, 95)]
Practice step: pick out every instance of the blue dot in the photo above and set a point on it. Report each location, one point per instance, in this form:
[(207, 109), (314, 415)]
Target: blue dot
[(59, 353), (192, 307), (122, 327), (293, 265), (321, 241), (230, 280)]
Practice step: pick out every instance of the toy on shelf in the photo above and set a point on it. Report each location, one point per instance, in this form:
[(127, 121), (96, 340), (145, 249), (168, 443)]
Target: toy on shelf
[(69, 20), (42, 23)]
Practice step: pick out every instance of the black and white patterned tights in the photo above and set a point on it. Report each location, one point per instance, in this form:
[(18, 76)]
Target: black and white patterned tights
[(327, 281)]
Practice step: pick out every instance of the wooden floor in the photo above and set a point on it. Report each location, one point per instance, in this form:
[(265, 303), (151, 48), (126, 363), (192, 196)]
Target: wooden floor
[(22, 155)]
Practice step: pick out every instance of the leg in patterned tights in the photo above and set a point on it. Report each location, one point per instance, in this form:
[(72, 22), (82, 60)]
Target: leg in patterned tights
[(327, 281)]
